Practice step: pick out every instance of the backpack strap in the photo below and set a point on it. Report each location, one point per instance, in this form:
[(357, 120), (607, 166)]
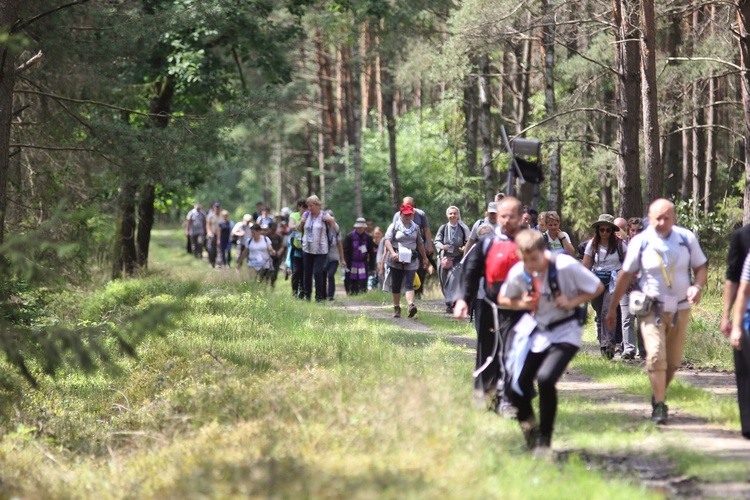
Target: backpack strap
[(619, 251), (554, 285), (546, 240), (684, 242)]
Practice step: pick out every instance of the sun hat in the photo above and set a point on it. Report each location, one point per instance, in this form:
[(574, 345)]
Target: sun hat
[(360, 222), (605, 219), (247, 218), (405, 209), (492, 207)]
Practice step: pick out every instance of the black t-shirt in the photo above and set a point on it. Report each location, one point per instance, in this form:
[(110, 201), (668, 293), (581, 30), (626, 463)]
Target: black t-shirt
[(738, 248)]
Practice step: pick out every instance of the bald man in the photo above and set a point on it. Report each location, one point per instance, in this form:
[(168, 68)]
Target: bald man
[(664, 254), (623, 225)]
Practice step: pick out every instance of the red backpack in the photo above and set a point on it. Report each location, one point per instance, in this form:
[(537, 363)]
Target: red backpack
[(500, 256)]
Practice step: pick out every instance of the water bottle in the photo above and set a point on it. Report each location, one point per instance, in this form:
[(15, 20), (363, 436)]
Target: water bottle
[(343, 273)]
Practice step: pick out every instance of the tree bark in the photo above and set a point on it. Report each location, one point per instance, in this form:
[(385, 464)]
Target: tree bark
[(673, 141), (687, 176), (146, 211), (627, 101), (708, 202), (485, 127), (389, 111), (355, 140), (698, 150), (125, 253), (548, 45), (325, 79), (654, 168), (743, 26), (9, 10)]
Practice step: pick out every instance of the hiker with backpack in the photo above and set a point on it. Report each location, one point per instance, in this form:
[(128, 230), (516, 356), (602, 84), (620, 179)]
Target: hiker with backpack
[(604, 255), (259, 255), (360, 252), (335, 258), (551, 289), (317, 228), (195, 229), (490, 217), (484, 271), (555, 238), (403, 242), (664, 254), (294, 261), (449, 242)]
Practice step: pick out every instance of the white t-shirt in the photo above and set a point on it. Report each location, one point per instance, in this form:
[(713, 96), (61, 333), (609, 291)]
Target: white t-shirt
[(573, 279), (555, 245), (257, 254), (604, 261), (675, 256), (315, 237)]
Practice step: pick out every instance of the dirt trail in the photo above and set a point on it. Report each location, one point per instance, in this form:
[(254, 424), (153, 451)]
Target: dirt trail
[(684, 430)]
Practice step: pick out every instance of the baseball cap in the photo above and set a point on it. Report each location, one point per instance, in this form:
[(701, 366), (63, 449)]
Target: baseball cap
[(492, 207), (408, 209)]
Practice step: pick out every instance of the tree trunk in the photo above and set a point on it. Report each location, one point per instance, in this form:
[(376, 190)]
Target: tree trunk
[(389, 111), (355, 140), (328, 105), (743, 26), (673, 142), (548, 45), (485, 128), (654, 169), (125, 258), (145, 222), (697, 155), (9, 10), (687, 176), (708, 202), (470, 108)]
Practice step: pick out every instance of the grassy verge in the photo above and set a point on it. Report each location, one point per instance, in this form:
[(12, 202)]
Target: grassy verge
[(253, 394)]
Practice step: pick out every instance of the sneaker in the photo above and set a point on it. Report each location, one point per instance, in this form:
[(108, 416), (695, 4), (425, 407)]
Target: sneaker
[(448, 309), (608, 352), (506, 410), (542, 449), (659, 414), (628, 355), (530, 431), (412, 309), (396, 311)]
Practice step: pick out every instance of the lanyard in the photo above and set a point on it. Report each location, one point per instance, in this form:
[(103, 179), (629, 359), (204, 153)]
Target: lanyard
[(668, 279)]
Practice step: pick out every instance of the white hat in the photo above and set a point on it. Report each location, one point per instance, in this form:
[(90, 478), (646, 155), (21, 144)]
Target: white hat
[(285, 211), (360, 222)]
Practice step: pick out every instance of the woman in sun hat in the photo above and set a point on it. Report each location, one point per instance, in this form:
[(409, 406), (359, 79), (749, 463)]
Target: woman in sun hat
[(604, 255), (402, 242)]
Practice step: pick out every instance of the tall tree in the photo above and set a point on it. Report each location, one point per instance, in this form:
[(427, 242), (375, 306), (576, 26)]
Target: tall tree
[(9, 10), (654, 169), (485, 127), (743, 27), (627, 100)]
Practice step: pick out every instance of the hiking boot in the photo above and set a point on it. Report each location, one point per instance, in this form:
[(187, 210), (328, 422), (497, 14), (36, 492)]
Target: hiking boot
[(542, 449), (448, 309), (412, 310), (505, 409), (659, 414), (608, 352), (530, 431), (628, 356), (396, 311)]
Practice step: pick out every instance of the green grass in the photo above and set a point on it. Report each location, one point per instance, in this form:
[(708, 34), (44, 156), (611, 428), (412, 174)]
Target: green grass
[(254, 394)]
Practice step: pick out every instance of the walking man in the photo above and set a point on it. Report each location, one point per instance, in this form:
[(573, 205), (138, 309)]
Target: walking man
[(664, 254), (738, 250)]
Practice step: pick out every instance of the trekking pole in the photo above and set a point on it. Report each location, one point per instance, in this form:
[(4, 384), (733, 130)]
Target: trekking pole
[(498, 343)]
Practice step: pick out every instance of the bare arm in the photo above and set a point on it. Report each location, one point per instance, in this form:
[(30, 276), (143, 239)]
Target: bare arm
[(623, 283), (468, 246), (588, 261), (694, 292), (730, 294), (428, 239), (740, 304), (341, 253), (568, 246), (568, 304)]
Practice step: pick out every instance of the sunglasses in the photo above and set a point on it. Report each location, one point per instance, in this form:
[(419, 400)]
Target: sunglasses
[(605, 229)]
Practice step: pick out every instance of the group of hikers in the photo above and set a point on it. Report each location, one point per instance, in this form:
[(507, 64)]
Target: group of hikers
[(520, 278)]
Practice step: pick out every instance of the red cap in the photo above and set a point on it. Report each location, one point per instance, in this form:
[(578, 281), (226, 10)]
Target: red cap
[(407, 209)]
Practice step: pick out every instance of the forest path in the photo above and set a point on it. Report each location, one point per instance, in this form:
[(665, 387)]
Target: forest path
[(645, 460)]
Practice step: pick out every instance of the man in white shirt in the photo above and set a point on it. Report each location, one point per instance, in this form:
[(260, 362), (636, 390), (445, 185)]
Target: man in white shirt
[(213, 218), (664, 254)]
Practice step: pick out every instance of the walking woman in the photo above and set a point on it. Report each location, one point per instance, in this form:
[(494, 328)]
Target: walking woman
[(225, 243), (449, 242), (402, 242), (604, 255), (316, 225), (259, 255)]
